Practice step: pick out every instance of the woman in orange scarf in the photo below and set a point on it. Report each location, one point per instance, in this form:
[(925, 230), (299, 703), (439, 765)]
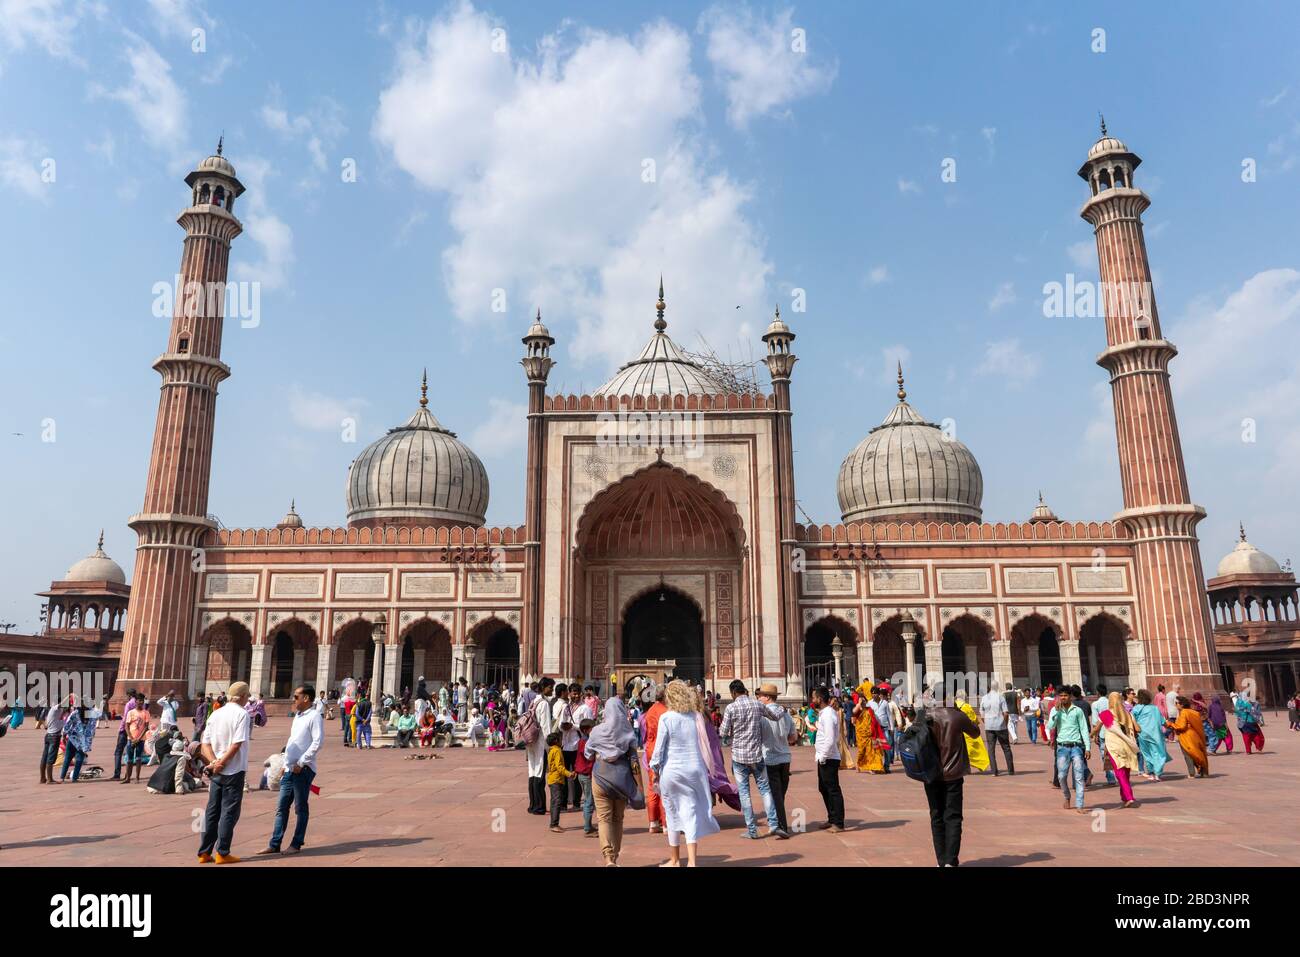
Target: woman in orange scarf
[(1190, 730), (870, 735)]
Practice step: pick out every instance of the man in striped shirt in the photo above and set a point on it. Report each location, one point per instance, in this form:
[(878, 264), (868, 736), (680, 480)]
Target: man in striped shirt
[(742, 728)]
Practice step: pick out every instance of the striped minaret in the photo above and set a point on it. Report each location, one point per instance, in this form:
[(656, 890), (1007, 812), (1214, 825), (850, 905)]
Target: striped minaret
[(172, 525), (1173, 618)]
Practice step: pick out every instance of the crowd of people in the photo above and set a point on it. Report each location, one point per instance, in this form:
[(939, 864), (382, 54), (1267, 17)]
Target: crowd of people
[(657, 747)]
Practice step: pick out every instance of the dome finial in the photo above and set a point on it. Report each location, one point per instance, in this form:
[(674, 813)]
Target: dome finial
[(293, 504), (902, 393), (1040, 496), (1241, 527), (221, 141), (424, 390), (660, 324), (100, 546), (1102, 117)]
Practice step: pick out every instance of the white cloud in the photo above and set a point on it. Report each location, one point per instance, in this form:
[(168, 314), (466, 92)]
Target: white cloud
[(155, 101), (1008, 360), (262, 226), (319, 412), (990, 134), (1276, 98), (908, 186), (546, 165), (318, 128), (504, 430), (1004, 296), (1083, 254), (177, 19), (761, 64), (47, 24), (892, 356), (20, 166), (878, 274)]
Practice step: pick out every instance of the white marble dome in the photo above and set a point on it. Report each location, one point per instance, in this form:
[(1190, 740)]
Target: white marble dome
[(1246, 559), (661, 368), (1107, 144), (907, 469), (96, 567), (419, 473)]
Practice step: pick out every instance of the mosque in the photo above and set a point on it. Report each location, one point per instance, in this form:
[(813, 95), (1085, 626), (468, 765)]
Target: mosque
[(659, 527)]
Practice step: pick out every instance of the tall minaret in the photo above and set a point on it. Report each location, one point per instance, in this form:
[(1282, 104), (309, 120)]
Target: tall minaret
[(537, 363), (780, 364), (1173, 621), (172, 525)]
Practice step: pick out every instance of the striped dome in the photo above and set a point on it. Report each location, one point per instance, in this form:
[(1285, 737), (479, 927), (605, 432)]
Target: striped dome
[(661, 369), (417, 474), (908, 469)]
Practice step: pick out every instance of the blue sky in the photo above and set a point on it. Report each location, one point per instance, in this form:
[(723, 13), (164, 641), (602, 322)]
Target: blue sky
[(516, 160)]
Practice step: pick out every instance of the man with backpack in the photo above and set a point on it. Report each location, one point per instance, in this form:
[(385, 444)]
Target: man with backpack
[(933, 751), (533, 728)]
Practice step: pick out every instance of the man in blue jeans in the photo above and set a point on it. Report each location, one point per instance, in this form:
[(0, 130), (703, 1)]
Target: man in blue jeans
[(742, 728), (1068, 731), (305, 738)]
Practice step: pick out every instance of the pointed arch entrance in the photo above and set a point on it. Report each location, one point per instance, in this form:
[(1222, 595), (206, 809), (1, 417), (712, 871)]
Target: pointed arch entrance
[(659, 561), (665, 624), (819, 653)]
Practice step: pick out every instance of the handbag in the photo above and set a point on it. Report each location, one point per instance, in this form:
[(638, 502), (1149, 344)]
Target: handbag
[(621, 779)]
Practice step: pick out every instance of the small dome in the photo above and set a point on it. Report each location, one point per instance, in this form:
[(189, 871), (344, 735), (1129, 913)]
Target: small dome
[(777, 326), (96, 567), (1107, 144), (291, 518), (661, 368), (907, 469), (1246, 559), (417, 474), (217, 164), (537, 330), (1042, 513)]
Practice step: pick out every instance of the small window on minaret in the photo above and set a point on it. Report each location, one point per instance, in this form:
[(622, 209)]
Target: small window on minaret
[(183, 345)]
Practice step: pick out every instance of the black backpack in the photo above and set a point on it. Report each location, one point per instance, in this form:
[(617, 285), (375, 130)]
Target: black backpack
[(919, 752)]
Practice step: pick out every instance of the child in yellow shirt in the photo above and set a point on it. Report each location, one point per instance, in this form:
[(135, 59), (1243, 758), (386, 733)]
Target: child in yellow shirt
[(557, 778)]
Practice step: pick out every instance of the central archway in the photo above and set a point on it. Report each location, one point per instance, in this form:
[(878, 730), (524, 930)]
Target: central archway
[(665, 624)]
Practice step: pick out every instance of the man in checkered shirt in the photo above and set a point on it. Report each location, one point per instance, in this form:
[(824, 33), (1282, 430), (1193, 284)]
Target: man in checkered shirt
[(742, 728)]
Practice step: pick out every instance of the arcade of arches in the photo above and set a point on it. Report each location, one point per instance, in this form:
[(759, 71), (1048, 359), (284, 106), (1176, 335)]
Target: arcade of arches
[(1037, 655)]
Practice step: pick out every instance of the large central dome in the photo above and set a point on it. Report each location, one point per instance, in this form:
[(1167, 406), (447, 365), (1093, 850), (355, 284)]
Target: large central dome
[(661, 368), (908, 469), (417, 474)]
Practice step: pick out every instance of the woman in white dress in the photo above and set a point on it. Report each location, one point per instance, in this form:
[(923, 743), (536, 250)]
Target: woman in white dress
[(681, 765)]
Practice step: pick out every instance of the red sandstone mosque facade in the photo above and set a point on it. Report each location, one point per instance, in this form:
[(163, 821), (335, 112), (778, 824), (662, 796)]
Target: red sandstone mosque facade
[(659, 524)]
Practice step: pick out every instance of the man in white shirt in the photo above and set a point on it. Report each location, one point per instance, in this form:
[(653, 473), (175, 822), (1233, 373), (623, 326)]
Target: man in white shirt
[(305, 738), (542, 714), (225, 749), (168, 706), (993, 709), (828, 760), (1030, 705)]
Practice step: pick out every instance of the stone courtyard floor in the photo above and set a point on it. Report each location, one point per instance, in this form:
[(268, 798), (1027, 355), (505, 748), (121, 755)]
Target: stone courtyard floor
[(468, 808)]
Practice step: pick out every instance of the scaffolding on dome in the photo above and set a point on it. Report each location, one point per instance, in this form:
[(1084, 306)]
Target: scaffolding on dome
[(738, 378)]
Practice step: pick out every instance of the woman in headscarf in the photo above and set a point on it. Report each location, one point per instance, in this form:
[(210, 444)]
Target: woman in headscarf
[(612, 745), (1190, 730), (1121, 752), (426, 728), (681, 764), (871, 736), (1151, 735), (1218, 720), (1250, 722), (979, 757)]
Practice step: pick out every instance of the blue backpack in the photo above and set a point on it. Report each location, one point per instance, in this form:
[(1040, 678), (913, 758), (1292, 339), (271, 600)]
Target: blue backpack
[(919, 752)]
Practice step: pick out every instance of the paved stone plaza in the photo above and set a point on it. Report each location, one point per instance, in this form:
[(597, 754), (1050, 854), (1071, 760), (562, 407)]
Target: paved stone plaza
[(378, 808)]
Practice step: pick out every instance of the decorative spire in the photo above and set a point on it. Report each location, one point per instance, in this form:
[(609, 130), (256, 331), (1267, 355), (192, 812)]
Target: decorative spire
[(902, 393), (660, 324), (221, 140), (293, 503), (100, 546), (424, 389), (539, 313), (1040, 496), (1242, 528), (1103, 122)]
